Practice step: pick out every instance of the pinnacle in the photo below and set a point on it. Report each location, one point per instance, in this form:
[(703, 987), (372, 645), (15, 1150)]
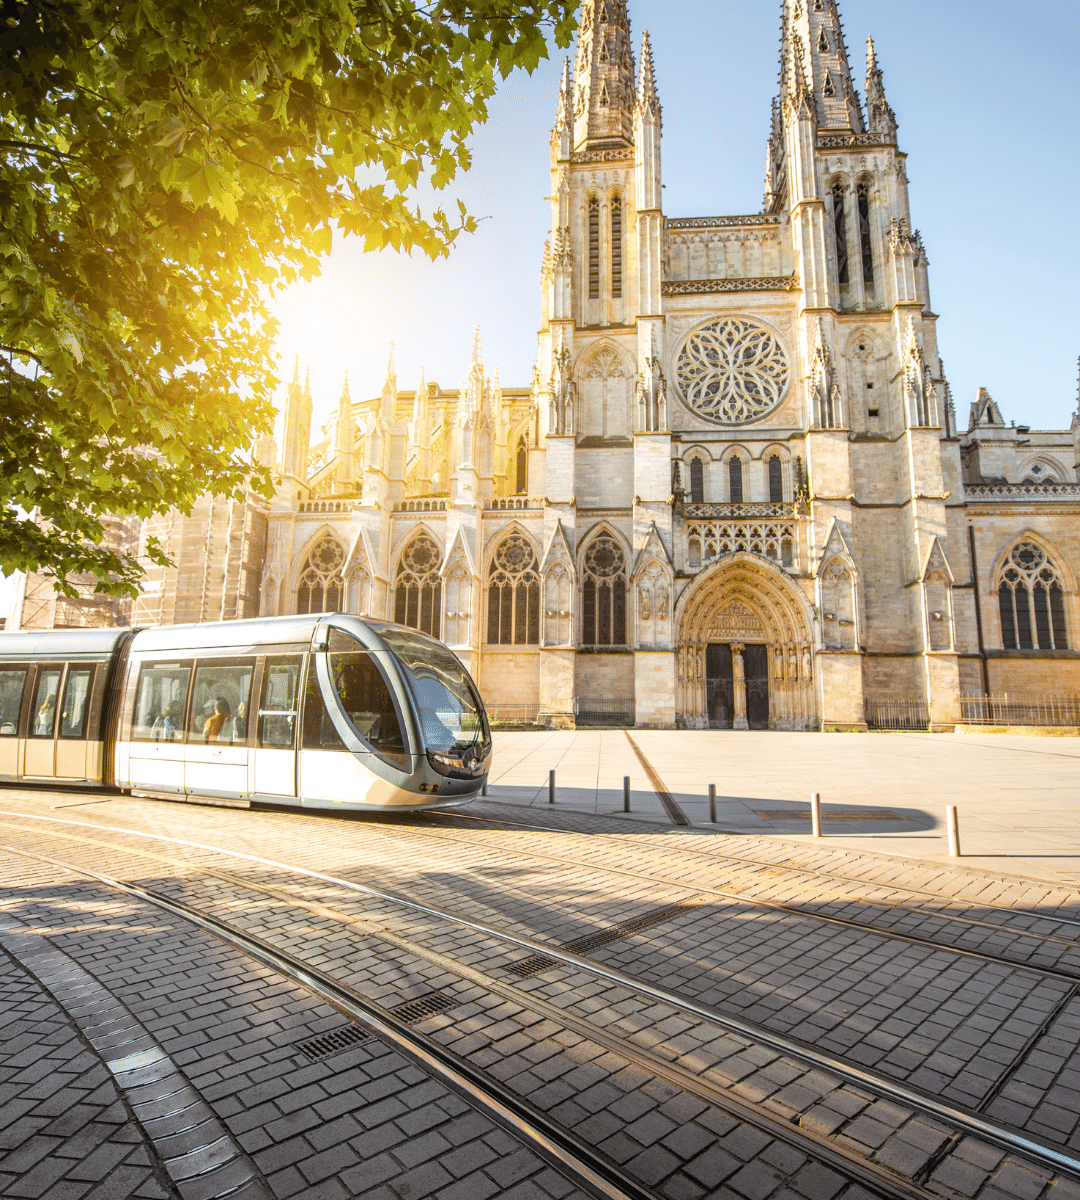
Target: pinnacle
[(647, 75)]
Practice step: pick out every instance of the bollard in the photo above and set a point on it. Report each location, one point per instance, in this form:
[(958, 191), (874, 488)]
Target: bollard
[(712, 803), (626, 793), (483, 787), (551, 787), (815, 814), (953, 828)]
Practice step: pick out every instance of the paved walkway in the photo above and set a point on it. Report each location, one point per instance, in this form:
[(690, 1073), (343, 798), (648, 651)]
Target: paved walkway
[(1018, 798)]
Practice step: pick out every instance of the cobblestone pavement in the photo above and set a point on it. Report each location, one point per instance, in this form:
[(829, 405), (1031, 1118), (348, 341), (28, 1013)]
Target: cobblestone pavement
[(685, 1107), (1016, 796)]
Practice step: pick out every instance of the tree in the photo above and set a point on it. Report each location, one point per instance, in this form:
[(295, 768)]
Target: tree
[(165, 166)]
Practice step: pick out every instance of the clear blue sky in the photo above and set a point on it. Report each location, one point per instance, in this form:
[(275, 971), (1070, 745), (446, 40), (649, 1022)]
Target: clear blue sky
[(989, 108)]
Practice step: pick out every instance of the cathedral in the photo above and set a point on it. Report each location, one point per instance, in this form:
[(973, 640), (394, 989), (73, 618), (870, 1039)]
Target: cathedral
[(734, 493)]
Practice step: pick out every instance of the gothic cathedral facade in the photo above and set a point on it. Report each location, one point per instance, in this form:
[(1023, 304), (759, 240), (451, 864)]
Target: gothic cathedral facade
[(734, 494)]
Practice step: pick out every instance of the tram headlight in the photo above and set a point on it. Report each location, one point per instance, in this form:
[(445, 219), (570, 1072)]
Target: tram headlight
[(459, 764)]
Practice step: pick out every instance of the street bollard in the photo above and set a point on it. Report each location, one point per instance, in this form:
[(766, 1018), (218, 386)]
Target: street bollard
[(483, 788), (626, 793), (551, 787), (712, 803), (815, 814), (953, 828)]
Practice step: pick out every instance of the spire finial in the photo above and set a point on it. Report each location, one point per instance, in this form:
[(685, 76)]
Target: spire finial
[(345, 388), (564, 115), (307, 382), (647, 95), (880, 117), (296, 371)]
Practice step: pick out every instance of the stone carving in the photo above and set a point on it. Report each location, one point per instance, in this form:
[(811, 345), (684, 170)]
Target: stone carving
[(715, 222), (732, 370), (826, 391), (652, 396), (695, 287), (561, 393)]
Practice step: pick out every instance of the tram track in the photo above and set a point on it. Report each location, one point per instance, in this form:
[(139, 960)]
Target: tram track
[(964, 1123)]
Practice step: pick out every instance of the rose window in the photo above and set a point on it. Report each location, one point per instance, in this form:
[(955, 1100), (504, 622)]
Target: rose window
[(732, 370)]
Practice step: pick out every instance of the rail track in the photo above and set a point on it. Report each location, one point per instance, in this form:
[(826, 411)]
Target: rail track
[(509, 976)]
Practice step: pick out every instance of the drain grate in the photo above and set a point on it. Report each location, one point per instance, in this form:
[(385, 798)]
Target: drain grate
[(803, 814), (333, 1042), (423, 1006), (535, 964)]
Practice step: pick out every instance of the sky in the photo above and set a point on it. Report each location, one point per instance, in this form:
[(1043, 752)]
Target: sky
[(988, 106)]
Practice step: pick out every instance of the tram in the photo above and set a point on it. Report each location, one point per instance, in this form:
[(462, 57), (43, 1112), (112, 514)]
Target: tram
[(320, 711)]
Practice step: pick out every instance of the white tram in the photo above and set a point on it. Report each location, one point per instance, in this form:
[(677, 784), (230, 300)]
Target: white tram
[(323, 711)]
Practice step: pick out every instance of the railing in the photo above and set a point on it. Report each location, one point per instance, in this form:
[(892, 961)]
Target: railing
[(604, 713), (1023, 491), (328, 506), (503, 715), (897, 714), (712, 512), (414, 506), (709, 540), (722, 222), (1020, 710), (499, 503)]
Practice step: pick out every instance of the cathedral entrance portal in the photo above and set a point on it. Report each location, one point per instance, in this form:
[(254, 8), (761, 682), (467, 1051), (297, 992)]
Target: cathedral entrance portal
[(745, 646), (737, 685)]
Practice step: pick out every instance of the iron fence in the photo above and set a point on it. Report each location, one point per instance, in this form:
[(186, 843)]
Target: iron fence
[(1020, 710), (897, 714), (604, 713), (503, 715)]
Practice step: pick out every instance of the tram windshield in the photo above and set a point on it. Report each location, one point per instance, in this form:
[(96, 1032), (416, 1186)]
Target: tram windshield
[(451, 713)]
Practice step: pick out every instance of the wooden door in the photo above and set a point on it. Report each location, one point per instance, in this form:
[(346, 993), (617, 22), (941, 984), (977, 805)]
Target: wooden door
[(756, 662), (719, 686)]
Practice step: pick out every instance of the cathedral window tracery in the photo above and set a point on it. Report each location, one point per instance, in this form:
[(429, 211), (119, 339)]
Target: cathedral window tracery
[(827, 87), (418, 588), (735, 479), (863, 199), (732, 370), (616, 247), (320, 583), (823, 43), (513, 594), (776, 479), (594, 248), (840, 231), (697, 481), (604, 594), (1031, 601), (522, 467)]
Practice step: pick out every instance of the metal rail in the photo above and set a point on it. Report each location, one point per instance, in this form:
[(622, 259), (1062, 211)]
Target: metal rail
[(972, 1122)]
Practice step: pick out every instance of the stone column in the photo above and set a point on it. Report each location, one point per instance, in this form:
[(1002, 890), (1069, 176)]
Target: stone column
[(738, 681)]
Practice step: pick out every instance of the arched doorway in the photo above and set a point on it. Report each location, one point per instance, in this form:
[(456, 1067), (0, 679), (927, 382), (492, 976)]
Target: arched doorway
[(744, 645)]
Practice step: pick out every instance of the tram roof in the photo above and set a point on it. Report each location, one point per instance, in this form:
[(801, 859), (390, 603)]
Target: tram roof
[(60, 643), (258, 631)]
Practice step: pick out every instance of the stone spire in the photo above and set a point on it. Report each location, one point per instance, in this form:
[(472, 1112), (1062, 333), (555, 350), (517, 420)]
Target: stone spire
[(604, 77), (814, 64), (647, 95), (345, 436), (880, 118), (296, 438), (564, 114), (389, 391)]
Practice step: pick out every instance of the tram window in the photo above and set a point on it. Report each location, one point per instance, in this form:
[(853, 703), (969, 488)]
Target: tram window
[(43, 716), (76, 703), (219, 702), (11, 690), (160, 702), (277, 710), (365, 696), (319, 731)]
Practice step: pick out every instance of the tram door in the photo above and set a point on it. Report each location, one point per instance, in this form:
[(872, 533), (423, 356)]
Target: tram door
[(56, 729), (275, 736), (12, 683), (216, 762), (156, 756)]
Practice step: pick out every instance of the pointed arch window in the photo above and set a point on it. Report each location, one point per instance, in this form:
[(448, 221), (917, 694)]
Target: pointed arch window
[(697, 481), (513, 594), (823, 43), (594, 248), (320, 587), (603, 597), (418, 587), (776, 479), (522, 467), (840, 230), (1031, 601), (735, 479), (616, 246), (862, 192), (827, 87)]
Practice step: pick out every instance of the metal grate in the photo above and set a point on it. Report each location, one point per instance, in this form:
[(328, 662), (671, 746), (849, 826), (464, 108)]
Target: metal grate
[(897, 714), (602, 713), (423, 1006), (803, 814), (1020, 710), (333, 1042), (535, 964)]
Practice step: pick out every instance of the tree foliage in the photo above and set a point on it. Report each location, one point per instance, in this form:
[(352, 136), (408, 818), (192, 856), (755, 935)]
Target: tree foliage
[(165, 165)]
